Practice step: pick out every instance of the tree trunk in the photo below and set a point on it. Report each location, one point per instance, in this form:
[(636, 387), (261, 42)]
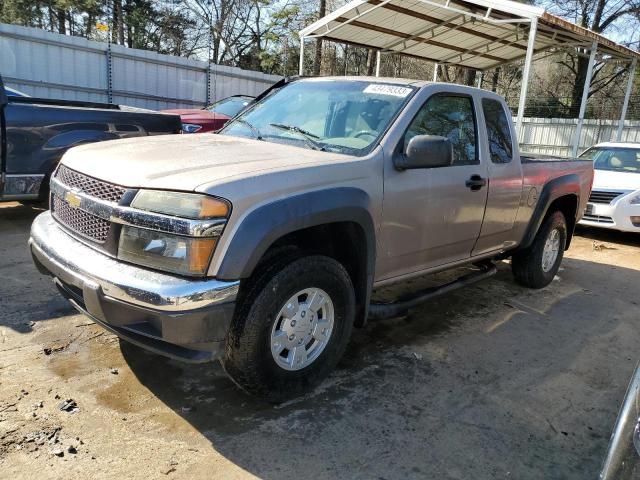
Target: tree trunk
[(371, 61), (469, 76), (118, 21), (576, 92), (317, 61), (72, 27), (494, 79), (128, 7), (346, 59), (62, 20), (91, 20), (334, 60), (216, 49), (113, 30)]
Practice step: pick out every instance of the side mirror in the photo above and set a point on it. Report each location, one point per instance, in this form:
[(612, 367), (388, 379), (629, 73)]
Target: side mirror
[(426, 151)]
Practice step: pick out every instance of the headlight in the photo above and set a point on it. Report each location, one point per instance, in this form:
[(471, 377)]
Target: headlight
[(180, 240), (164, 251), (191, 127), (635, 200), (187, 205)]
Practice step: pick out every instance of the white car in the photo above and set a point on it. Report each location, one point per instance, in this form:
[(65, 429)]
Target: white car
[(615, 196)]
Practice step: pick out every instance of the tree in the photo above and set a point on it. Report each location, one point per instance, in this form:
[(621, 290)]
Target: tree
[(600, 16), (317, 62)]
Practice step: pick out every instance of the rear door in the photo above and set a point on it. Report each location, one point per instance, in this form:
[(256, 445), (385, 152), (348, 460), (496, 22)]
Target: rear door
[(432, 216), (505, 176)]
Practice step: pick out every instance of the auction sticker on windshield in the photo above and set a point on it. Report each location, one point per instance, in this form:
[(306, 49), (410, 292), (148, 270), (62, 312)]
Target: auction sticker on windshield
[(393, 90)]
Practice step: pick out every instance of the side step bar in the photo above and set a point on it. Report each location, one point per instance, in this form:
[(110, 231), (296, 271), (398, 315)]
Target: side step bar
[(378, 311)]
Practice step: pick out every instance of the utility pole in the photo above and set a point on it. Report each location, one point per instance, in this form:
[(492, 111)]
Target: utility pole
[(209, 49)]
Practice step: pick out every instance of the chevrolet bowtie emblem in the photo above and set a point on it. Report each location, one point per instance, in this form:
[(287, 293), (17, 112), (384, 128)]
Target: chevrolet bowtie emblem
[(73, 199)]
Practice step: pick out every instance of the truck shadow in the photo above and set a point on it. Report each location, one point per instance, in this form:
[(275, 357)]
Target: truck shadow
[(528, 381), (26, 296)]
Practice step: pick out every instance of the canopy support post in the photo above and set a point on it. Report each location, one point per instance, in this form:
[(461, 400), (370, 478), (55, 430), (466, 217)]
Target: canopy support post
[(435, 72), (301, 67), (480, 76), (585, 97), (627, 95), (378, 63), (531, 42)]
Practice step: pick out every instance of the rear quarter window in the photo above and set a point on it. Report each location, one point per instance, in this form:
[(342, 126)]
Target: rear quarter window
[(498, 131)]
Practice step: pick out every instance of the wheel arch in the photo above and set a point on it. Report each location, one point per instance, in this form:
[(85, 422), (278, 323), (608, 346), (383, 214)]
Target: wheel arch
[(560, 194), (335, 222)]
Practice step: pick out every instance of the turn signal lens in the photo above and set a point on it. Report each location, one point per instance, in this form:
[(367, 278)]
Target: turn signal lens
[(213, 208), (200, 254)]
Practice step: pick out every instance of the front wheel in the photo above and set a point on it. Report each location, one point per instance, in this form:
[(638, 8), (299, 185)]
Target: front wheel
[(536, 266), (291, 328)]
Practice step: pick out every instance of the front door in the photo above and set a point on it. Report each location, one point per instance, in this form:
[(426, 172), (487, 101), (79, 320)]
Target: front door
[(431, 216)]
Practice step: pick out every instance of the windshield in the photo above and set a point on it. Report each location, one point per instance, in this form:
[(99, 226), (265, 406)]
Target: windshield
[(616, 159), (230, 106), (337, 115)]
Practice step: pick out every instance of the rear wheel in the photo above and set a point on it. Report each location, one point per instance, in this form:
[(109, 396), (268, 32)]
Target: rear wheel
[(291, 328), (536, 266)]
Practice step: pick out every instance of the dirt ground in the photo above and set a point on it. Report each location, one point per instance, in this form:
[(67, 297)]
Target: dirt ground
[(494, 381)]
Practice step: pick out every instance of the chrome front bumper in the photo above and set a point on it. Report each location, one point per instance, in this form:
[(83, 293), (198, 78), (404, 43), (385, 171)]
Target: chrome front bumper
[(176, 316)]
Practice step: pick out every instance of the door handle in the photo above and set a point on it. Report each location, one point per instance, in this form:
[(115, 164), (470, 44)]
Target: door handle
[(475, 183)]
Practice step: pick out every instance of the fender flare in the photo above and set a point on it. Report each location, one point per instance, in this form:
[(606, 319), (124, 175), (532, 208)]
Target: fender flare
[(267, 223), (558, 187)]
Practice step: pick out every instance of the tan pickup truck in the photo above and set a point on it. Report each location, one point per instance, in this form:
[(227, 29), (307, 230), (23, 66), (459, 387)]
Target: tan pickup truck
[(261, 246)]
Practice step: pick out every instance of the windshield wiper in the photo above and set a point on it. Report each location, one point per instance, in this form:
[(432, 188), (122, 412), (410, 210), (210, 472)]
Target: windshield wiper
[(309, 137), (253, 129)]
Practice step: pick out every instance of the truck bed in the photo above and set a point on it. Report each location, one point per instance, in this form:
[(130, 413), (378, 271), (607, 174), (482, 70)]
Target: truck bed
[(539, 170), (539, 157), (36, 132)]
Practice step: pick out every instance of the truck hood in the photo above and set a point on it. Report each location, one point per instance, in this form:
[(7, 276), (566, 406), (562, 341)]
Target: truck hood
[(608, 180), (184, 162)]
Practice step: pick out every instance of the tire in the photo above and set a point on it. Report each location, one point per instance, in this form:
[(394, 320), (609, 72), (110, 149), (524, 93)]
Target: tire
[(249, 359), (529, 266)]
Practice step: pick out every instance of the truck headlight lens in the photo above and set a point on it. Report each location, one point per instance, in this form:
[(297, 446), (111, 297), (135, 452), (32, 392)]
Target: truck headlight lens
[(165, 251), (635, 200), (186, 205), (181, 240)]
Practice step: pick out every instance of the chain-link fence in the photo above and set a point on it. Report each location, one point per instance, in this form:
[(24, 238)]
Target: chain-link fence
[(599, 108)]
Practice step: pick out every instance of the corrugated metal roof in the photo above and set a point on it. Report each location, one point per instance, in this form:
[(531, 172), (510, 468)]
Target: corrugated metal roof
[(472, 33)]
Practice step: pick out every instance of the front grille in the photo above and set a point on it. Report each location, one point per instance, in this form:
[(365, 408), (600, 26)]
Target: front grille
[(603, 197), (84, 223), (597, 218), (89, 185)]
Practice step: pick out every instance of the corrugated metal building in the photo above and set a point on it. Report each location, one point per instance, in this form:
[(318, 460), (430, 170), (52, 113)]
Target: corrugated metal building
[(51, 65)]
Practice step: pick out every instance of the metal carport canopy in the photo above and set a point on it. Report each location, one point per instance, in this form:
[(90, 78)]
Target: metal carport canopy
[(475, 34)]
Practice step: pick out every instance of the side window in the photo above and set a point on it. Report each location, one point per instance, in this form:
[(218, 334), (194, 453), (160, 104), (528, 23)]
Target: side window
[(449, 116), (498, 131)]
